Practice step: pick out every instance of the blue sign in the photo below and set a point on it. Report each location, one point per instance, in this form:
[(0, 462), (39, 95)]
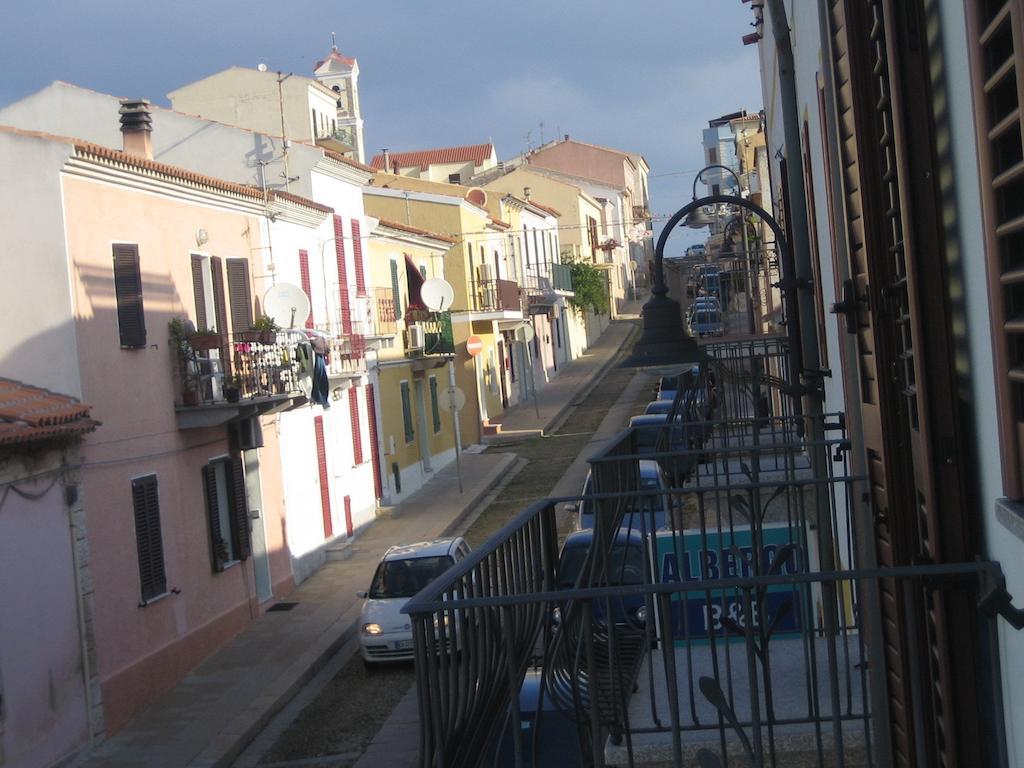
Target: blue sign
[(692, 557)]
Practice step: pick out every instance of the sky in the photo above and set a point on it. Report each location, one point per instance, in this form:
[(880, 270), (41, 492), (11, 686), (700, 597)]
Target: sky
[(643, 76)]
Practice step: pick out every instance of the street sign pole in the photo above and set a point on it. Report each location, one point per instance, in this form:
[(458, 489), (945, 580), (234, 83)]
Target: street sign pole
[(455, 420)]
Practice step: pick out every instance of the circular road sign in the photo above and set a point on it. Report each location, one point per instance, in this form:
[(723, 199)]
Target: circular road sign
[(451, 399), (525, 333), (473, 345)]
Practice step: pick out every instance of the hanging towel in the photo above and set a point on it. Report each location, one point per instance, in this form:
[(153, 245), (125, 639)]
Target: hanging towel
[(321, 387)]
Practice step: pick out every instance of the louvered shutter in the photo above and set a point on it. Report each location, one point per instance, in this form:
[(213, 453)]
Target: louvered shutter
[(325, 491), (306, 286), (213, 516), (395, 290), (996, 32), (148, 539), (344, 305), (434, 406), (220, 306), (131, 320), (357, 434), (239, 294), (199, 291), (239, 508), (357, 254), (407, 412), (371, 418)]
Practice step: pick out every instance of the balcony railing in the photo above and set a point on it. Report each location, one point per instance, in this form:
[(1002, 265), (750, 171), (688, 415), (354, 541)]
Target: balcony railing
[(561, 278), (246, 365), (739, 635), (384, 312), (495, 296)]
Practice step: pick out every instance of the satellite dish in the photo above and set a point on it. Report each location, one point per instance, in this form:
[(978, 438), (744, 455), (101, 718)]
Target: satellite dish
[(261, 67), (286, 304), (437, 294)]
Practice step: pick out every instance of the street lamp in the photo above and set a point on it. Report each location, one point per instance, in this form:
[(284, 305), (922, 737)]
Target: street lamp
[(699, 219)]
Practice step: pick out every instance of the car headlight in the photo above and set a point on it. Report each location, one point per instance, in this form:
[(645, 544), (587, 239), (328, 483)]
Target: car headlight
[(556, 615), (440, 621), (372, 629), (641, 613)]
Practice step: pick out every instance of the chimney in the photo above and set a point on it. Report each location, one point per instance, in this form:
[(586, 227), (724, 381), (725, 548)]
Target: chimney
[(387, 159), (136, 125), (566, 137)]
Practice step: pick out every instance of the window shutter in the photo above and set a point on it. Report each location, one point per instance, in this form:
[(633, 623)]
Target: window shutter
[(371, 418), (239, 508), (306, 285), (199, 291), (357, 252), (357, 435), (213, 516), (344, 304), (146, 501), (131, 321), (997, 34), (407, 413), (434, 408), (239, 294), (220, 306), (395, 290), (325, 491)]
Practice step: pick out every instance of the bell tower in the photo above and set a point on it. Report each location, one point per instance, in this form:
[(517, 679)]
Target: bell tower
[(341, 74)]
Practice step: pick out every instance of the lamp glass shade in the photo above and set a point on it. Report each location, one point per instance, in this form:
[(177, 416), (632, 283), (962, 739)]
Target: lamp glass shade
[(664, 340)]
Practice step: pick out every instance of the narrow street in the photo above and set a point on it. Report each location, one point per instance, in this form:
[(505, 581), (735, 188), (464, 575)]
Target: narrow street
[(335, 718)]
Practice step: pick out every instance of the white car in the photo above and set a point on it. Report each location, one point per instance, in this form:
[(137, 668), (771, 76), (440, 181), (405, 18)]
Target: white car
[(385, 633)]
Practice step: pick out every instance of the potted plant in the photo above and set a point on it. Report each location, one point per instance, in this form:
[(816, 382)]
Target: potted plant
[(267, 329), (233, 388), (190, 391), (204, 339), (181, 330)]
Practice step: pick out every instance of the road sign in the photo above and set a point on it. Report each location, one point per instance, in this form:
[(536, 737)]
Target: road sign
[(525, 333), (473, 345), (451, 399)]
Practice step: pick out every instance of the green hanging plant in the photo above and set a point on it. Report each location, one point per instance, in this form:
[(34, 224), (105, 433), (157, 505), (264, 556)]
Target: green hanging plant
[(589, 286)]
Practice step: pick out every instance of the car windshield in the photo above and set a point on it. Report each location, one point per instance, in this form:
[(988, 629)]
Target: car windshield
[(404, 578), (625, 567), (648, 482)]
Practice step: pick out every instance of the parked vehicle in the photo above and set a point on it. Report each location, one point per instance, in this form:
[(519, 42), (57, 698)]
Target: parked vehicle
[(646, 513), (628, 564), (385, 634), (705, 317)]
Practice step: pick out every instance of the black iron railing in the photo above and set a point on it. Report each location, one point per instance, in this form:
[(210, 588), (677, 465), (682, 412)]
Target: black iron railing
[(744, 635), (495, 295)]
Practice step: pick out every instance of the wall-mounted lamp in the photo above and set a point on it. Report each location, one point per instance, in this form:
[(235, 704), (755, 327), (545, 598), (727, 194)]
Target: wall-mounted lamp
[(202, 236), (752, 38)]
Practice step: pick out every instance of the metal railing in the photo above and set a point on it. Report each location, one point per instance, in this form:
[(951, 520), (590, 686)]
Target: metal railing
[(741, 638), (384, 311), (245, 365), (495, 295)]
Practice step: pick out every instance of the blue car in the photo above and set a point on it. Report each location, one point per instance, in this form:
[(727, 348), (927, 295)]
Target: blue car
[(641, 512), (627, 564)]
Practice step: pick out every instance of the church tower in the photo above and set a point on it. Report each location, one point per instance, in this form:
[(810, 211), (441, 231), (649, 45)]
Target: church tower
[(341, 74)]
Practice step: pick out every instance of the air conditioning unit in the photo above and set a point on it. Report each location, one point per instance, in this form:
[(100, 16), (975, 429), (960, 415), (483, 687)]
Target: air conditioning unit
[(415, 337)]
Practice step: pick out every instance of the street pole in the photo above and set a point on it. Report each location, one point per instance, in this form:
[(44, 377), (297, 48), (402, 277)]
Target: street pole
[(455, 419)]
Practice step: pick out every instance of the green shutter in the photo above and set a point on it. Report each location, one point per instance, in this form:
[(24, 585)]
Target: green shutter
[(407, 413), (394, 288), (435, 410)]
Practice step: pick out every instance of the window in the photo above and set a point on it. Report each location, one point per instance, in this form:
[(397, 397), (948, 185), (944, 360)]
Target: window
[(239, 294), (592, 233), (357, 435), (227, 512), (131, 321), (148, 539), (712, 155), (407, 412), (454, 178), (395, 290), (435, 410)]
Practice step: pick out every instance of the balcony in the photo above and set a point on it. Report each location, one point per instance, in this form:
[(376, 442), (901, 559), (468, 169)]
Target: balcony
[(758, 639), (539, 291), (496, 297), (226, 377), (429, 334), (561, 279), (383, 313)]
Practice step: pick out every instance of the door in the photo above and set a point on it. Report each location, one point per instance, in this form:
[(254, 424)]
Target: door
[(502, 372), (258, 534), (421, 421), (904, 371)]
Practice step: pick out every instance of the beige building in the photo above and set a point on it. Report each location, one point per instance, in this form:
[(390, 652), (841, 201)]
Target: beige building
[(452, 165)]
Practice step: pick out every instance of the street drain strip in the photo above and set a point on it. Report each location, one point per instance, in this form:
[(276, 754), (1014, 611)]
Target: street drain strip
[(281, 607)]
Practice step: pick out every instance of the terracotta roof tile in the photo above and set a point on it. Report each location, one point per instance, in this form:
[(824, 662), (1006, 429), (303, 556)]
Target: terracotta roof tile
[(31, 413), (301, 201), (426, 157), (337, 56), (548, 208), (417, 231), (499, 223), (346, 160)]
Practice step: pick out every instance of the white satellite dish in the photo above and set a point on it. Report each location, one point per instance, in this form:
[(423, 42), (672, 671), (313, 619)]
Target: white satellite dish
[(286, 304), (437, 294)]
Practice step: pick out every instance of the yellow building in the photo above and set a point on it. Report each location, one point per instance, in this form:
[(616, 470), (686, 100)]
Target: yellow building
[(481, 269), (416, 434)]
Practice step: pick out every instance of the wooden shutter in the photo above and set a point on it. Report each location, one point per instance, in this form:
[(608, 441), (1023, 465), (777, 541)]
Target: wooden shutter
[(131, 321), (306, 286), (410, 433), (241, 538), (357, 253), (148, 539), (435, 409), (371, 417), (325, 490), (199, 291), (396, 290), (239, 294), (213, 516), (996, 33), (344, 305), (357, 433)]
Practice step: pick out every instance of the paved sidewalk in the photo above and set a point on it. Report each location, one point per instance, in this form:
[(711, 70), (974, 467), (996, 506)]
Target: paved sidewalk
[(209, 718)]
